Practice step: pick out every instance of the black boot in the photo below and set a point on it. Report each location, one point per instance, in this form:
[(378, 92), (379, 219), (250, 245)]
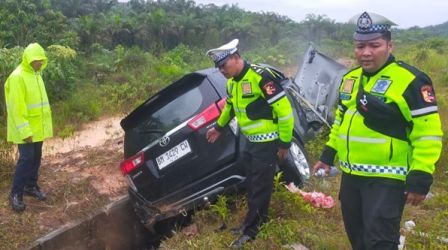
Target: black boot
[(35, 193), (16, 202), (241, 241), (237, 230)]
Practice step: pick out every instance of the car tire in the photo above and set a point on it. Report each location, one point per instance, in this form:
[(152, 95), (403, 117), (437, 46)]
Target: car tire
[(296, 167)]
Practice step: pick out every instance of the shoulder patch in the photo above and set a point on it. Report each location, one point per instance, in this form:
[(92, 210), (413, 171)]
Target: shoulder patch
[(269, 88), (427, 92)]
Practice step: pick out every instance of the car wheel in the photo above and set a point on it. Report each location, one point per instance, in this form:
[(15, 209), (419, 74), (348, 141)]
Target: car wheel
[(296, 167)]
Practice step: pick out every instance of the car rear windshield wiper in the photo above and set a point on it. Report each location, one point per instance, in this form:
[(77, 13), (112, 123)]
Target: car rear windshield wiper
[(151, 131)]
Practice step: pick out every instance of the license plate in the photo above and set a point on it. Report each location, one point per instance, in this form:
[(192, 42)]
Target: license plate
[(173, 154)]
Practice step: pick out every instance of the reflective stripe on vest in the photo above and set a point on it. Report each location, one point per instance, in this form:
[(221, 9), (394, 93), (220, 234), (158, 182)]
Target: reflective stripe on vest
[(23, 125), (276, 97), (364, 139), (256, 125), (429, 138), (424, 111), (38, 105), (285, 117), (262, 137), (375, 169)]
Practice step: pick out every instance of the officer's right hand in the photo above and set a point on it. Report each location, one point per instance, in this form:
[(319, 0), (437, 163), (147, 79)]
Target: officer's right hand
[(321, 165), (28, 139), (414, 198), (212, 135)]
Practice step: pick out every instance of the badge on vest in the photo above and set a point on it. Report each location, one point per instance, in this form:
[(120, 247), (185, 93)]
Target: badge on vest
[(247, 88), (381, 86), (348, 86)]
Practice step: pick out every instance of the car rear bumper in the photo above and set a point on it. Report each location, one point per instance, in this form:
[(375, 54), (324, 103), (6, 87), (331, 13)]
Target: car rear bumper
[(190, 197)]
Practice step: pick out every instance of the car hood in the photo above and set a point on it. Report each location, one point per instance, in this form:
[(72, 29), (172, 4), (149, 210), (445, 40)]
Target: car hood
[(318, 80)]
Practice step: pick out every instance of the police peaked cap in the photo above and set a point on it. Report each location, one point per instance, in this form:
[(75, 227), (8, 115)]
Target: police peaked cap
[(370, 26), (221, 54)]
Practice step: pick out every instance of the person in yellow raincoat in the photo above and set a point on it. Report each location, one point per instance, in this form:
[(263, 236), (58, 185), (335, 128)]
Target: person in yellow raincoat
[(29, 122)]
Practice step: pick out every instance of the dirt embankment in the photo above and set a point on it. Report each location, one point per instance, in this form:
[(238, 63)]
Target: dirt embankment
[(80, 174)]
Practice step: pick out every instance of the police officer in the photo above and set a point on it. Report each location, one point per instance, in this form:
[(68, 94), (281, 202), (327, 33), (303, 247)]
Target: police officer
[(387, 136), (264, 114)]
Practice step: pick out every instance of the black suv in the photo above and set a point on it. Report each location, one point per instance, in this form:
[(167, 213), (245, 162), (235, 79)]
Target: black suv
[(172, 169)]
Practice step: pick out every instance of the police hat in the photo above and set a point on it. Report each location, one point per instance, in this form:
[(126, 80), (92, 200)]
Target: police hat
[(370, 26), (221, 54)]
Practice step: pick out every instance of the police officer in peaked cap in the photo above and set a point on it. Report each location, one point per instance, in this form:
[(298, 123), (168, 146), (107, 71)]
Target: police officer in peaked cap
[(264, 114), (387, 136)]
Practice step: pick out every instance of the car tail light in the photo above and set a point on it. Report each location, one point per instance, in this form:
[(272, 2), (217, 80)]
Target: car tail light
[(132, 163), (222, 103), (209, 114)]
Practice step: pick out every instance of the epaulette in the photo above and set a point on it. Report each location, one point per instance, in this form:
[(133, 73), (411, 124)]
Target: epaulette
[(410, 68), (257, 68), (267, 71)]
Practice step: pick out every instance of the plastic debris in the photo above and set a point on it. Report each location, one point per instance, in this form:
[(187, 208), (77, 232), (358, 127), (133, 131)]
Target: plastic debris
[(409, 225), (402, 242), (321, 172), (316, 199)]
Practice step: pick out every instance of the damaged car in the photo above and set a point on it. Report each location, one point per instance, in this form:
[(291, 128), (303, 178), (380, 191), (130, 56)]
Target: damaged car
[(170, 167)]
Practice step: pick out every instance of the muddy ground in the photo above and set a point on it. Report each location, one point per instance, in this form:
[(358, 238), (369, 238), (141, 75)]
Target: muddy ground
[(80, 175)]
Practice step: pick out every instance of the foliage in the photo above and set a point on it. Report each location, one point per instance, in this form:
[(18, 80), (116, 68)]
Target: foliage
[(107, 56), (61, 72), (79, 108), (281, 231), (9, 59), (220, 207), (26, 21)]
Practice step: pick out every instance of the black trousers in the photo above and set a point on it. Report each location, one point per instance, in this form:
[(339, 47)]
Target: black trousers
[(260, 162), (27, 167), (372, 209)]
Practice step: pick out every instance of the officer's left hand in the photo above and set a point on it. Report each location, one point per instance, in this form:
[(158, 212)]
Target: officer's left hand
[(414, 198), (282, 153)]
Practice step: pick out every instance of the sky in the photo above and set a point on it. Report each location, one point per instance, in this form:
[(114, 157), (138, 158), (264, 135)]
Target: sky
[(405, 13)]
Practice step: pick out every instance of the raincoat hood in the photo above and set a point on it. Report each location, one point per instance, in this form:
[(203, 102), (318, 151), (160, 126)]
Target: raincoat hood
[(33, 52)]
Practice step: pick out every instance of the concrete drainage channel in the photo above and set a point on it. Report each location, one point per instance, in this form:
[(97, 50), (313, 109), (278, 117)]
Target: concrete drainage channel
[(114, 227)]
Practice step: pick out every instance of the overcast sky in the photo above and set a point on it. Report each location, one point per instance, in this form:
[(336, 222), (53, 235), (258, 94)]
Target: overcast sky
[(405, 13)]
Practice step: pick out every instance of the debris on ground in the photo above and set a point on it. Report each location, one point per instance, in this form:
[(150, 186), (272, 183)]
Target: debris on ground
[(316, 199), (409, 227)]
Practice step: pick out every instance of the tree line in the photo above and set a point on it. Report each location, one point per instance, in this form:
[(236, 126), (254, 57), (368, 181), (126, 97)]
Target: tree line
[(123, 52)]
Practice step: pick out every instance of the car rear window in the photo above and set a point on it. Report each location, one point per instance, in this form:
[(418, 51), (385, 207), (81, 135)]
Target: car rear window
[(172, 114), (165, 111)]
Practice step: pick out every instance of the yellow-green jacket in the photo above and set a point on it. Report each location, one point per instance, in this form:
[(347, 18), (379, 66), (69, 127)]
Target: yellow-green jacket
[(28, 109), (388, 126), (260, 105)]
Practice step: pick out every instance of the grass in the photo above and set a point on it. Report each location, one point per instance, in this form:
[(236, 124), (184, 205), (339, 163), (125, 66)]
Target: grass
[(71, 198), (293, 221)]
